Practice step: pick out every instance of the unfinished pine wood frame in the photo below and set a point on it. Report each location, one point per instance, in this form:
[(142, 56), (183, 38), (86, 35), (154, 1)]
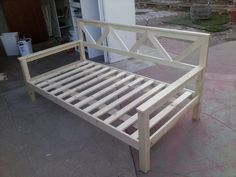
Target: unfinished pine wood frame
[(133, 108)]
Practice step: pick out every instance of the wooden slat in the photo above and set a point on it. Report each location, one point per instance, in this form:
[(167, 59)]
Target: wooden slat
[(84, 72), (64, 75), (140, 76), (89, 118), (78, 81), (57, 71), (156, 119), (104, 91), (95, 87), (169, 91), (167, 110), (113, 95), (123, 98), (134, 103), (145, 78), (87, 84), (171, 122), (112, 111), (128, 122)]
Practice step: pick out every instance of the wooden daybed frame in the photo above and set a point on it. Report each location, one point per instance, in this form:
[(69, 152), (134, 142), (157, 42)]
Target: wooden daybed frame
[(133, 108)]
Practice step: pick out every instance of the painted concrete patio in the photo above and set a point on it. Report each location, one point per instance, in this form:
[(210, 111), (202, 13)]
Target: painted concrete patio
[(41, 139)]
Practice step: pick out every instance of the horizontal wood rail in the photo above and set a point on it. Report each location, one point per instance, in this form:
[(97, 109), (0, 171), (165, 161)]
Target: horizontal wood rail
[(160, 98), (51, 51), (44, 53), (173, 33), (175, 64), (172, 121)]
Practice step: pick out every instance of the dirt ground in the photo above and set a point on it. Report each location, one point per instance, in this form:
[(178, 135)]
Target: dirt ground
[(157, 18)]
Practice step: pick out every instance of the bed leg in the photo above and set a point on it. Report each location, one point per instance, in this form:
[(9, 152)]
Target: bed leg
[(197, 111), (144, 142), (31, 94), (200, 78), (199, 90), (144, 159), (82, 51), (26, 75)]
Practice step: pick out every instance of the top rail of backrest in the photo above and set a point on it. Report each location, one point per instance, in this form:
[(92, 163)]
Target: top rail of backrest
[(199, 40), (172, 33)]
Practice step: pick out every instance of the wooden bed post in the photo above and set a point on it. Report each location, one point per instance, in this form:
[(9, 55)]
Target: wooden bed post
[(200, 78), (144, 141), (82, 51), (26, 75)]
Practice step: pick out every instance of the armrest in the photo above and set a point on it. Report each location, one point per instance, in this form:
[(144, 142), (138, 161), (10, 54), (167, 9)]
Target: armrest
[(50, 51), (37, 55), (150, 105)]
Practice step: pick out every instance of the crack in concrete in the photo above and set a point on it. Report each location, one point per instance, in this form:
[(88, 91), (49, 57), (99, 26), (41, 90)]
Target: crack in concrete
[(222, 123), (174, 173), (216, 166)]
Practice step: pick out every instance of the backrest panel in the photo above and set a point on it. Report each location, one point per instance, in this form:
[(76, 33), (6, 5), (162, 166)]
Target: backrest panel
[(149, 36)]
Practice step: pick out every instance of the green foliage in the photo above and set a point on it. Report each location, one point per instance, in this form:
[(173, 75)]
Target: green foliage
[(214, 24)]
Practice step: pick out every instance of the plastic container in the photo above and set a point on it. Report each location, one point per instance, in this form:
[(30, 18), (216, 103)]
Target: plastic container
[(9, 41), (72, 35), (25, 46)]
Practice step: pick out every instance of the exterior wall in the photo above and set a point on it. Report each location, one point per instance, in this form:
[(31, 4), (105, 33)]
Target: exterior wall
[(3, 26)]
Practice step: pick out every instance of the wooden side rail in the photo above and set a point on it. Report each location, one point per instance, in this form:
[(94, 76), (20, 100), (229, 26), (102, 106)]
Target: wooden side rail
[(44, 53), (47, 52), (160, 98)]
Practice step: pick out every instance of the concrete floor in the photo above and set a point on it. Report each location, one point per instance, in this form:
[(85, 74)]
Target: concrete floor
[(41, 139)]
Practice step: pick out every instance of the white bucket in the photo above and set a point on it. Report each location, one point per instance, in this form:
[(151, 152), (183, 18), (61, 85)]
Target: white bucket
[(25, 46), (72, 35), (9, 41)]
